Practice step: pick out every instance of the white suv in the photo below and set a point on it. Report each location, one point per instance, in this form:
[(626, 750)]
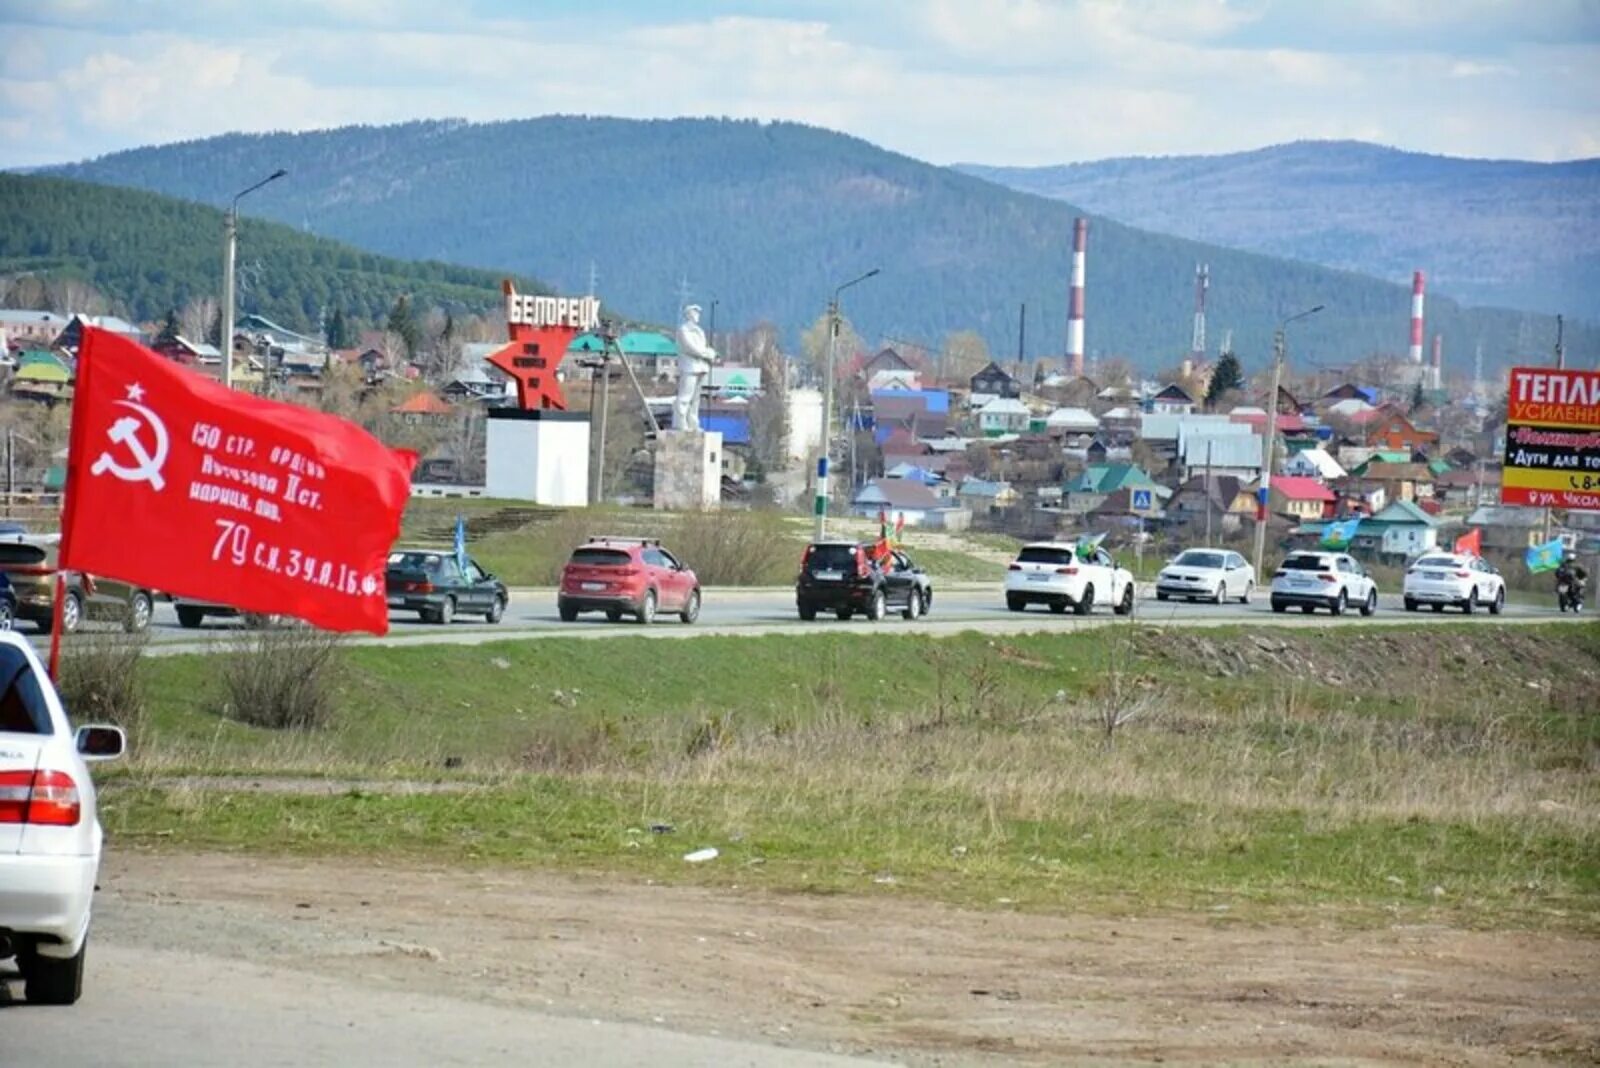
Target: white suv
[(49, 833), (1334, 581), (1438, 579), (1056, 574)]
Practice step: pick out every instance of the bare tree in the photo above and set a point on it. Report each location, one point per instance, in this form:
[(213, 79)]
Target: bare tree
[(814, 348), (195, 319), (769, 412), (965, 353)]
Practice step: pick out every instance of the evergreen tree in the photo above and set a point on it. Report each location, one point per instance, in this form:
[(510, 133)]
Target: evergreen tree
[(1228, 377), (214, 331), (1416, 396), (403, 325), (337, 333), (169, 328)]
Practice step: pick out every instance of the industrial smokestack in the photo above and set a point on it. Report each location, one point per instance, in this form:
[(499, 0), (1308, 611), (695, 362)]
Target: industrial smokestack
[(1080, 241), (1416, 318), (1202, 282), (1436, 375)]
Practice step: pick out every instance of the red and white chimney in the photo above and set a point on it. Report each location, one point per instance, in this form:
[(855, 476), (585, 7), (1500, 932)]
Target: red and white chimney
[(1436, 373), (1080, 241), (1416, 318)]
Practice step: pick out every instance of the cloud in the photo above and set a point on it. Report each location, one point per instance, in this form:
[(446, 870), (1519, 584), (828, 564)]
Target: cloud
[(1001, 81)]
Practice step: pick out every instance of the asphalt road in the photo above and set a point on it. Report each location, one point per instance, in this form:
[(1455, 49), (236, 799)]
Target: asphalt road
[(160, 1007), (532, 613)]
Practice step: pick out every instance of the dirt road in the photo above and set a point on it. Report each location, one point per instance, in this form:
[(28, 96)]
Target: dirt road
[(485, 952)]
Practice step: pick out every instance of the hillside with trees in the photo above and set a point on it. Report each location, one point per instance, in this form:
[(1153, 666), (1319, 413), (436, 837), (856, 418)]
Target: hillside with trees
[(766, 219), (1494, 232), (72, 246)]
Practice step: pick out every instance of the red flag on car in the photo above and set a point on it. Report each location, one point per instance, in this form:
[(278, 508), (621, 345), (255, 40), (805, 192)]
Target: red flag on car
[(177, 483), (1471, 542)]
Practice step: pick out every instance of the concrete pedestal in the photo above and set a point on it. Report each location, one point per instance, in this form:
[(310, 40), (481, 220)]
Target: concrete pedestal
[(688, 470), (539, 456)]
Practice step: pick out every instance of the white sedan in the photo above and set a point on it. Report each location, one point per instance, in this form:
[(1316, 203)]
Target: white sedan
[(1214, 575), (1058, 575), (49, 833), (1461, 579)]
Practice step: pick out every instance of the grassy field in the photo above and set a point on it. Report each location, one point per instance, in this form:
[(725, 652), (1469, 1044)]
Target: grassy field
[(1369, 776)]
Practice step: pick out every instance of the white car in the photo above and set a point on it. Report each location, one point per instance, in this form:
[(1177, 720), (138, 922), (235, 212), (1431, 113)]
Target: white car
[(49, 832), (1056, 574), (1461, 579), (1214, 575), (1335, 581)]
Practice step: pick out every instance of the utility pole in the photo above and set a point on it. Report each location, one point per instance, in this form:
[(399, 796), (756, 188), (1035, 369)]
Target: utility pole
[(1268, 451), (820, 506), (230, 245), (1209, 503)]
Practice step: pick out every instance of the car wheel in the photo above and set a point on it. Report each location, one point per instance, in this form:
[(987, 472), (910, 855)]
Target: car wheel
[(445, 614), (567, 612), (1279, 607), (140, 609), (613, 615), (190, 618), (1220, 593), (1438, 608), (1249, 588), (1470, 605), (1411, 606), (691, 608), (927, 602), (497, 610), (647, 609), (876, 607), (1340, 603), (808, 612), (913, 607), (71, 613), (8, 617), (1058, 607), (843, 614), (1498, 605), (1307, 609), (1160, 596), (1370, 605), (1015, 604), (51, 981), (1124, 607), (1084, 606)]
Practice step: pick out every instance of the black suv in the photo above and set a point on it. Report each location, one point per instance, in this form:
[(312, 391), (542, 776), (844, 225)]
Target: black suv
[(843, 577)]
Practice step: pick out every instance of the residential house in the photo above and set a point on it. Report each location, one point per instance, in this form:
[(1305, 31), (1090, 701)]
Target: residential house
[(1089, 489), (1300, 498), (1358, 496), (987, 496), (31, 329), (1404, 482), (1389, 428), (423, 406), (1173, 399), (1468, 488), (1238, 455), (1003, 415), (885, 365), (1349, 391), (1069, 423), (994, 380), (920, 507), (1402, 531), (1228, 501), (1508, 528), (1314, 463), (43, 376), (199, 354), (1129, 506)]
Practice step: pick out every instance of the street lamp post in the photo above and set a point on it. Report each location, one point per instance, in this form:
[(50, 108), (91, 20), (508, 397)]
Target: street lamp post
[(1263, 495), (230, 229), (821, 507)]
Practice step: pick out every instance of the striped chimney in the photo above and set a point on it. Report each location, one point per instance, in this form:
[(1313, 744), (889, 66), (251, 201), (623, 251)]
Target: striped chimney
[(1080, 241), (1416, 317), (1436, 374)]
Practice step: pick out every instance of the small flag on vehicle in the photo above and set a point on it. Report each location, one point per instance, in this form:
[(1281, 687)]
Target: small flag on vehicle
[(1088, 543), (1471, 542), (461, 542), (1337, 534), (1546, 557)]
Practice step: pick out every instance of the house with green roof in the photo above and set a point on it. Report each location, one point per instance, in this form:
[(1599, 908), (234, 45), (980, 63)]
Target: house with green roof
[(1091, 487), (41, 375), (1398, 532)]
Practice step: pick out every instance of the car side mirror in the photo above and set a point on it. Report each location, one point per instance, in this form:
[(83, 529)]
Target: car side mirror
[(101, 742)]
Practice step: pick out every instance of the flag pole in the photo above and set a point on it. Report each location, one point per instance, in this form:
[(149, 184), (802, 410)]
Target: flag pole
[(55, 626)]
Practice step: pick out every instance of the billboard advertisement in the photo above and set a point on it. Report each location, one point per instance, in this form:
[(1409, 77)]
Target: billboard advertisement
[(1552, 439)]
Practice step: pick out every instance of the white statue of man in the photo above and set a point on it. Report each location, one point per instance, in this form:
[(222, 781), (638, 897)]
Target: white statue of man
[(694, 366)]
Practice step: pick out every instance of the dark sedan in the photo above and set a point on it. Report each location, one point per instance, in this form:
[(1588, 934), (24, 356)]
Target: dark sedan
[(432, 583)]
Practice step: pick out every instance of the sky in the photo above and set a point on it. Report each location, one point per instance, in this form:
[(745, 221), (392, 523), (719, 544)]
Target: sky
[(1019, 82)]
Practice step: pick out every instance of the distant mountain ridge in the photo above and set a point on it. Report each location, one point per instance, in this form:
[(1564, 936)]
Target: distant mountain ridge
[(766, 218), (1503, 233)]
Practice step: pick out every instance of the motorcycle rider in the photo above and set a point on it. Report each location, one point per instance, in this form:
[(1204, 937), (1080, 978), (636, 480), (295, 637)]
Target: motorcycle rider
[(1571, 578)]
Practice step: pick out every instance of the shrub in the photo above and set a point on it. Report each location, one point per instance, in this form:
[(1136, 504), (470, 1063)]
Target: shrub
[(102, 680), (282, 678)]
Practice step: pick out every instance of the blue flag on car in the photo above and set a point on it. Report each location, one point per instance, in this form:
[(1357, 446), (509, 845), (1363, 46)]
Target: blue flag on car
[(1337, 535), (461, 543), (1546, 557)]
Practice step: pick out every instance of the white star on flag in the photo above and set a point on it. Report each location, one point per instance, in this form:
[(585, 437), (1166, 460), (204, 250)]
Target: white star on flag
[(136, 392)]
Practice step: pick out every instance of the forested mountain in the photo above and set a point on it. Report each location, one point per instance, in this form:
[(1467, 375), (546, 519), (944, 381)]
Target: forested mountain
[(766, 218), (149, 254), (1493, 232)]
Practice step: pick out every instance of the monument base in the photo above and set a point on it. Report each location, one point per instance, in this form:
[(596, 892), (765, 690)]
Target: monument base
[(538, 456), (688, 470)]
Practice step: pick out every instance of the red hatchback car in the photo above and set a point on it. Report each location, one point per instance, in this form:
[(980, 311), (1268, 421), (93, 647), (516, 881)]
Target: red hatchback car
[(627, 576)]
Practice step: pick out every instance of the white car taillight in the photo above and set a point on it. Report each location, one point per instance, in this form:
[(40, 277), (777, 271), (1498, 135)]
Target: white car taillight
[(39, 797)]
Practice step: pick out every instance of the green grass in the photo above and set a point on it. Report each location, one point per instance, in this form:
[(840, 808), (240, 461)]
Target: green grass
[(1319, 770)]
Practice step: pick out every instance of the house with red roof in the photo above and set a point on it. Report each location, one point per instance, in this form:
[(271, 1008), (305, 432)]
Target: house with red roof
[(423, 405), (1301, 496)]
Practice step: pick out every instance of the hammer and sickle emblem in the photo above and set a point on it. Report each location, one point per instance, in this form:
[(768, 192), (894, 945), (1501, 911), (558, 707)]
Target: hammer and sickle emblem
[(125, 432)]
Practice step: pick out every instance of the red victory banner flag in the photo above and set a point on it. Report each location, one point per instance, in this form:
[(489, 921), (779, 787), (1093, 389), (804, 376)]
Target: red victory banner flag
[(179, 484), (1471, 542)]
